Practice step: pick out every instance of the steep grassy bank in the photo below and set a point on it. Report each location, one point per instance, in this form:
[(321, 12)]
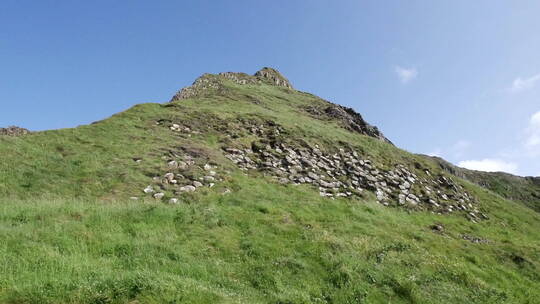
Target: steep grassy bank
[(264, 243), (525, 190)]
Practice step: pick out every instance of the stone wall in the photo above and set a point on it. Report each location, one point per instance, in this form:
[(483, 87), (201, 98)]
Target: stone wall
[(341, 172)]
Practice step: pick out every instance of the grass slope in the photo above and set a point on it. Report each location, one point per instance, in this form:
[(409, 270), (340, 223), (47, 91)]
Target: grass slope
[(68, 234), (264, 243), (525, 190)]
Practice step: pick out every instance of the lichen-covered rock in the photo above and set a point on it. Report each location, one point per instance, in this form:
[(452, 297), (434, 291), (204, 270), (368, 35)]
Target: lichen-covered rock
[(13, 131)]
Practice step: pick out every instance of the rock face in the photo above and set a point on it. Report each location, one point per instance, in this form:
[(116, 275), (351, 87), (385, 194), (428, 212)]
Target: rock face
[(274, 77), (13, 131), (209, 81), (348, 118)]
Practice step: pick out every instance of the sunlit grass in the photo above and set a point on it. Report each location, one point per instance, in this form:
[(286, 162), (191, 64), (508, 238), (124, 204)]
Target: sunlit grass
[(264, 243)]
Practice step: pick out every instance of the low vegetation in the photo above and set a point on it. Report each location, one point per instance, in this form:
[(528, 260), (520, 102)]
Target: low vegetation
[(263, 243)]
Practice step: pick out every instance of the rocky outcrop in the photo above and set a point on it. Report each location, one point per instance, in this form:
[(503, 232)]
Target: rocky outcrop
[(348, 118), (273, 77), (208, 82), (354, 121), (13, 131), (201, 84)]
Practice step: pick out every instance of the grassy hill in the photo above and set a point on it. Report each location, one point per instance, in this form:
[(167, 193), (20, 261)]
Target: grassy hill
[(201, 200)]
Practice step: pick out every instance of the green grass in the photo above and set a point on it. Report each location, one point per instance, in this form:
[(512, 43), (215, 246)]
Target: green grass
[(68, 233), (264, 243)]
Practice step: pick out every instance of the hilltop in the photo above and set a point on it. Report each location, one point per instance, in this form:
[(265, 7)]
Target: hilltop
[(242, 189)]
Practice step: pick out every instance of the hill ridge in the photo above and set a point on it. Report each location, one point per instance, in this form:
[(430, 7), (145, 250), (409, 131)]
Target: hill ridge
[(252, 193)]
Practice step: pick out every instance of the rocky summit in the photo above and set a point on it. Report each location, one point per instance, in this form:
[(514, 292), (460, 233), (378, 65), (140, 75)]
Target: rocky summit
[(208, 82), (243, 189)]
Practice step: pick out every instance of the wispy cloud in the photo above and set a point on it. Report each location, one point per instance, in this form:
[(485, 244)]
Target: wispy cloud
[(405, 75), (457, 150), (460, 148), (520, 84), (533, 132), (489, 165), (526, 153), (437, 152)]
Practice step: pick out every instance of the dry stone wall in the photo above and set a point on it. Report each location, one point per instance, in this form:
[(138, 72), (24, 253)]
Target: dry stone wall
[(346, 174), (340, 173)]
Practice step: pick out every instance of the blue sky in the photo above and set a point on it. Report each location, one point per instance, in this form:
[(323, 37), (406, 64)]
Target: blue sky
[(459, 79)]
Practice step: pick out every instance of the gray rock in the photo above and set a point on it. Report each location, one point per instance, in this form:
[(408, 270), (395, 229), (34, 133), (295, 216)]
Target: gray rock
[(169, 176), (188, 188), (182, 165), (172, 164), (148, 189), (197, 184), (313, 176)]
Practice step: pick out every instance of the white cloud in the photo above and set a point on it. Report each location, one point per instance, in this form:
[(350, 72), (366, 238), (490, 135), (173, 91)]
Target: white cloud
[(489, 165), (526, 153), (459, 148), (406, 75), (533, 131), (520, 84)]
